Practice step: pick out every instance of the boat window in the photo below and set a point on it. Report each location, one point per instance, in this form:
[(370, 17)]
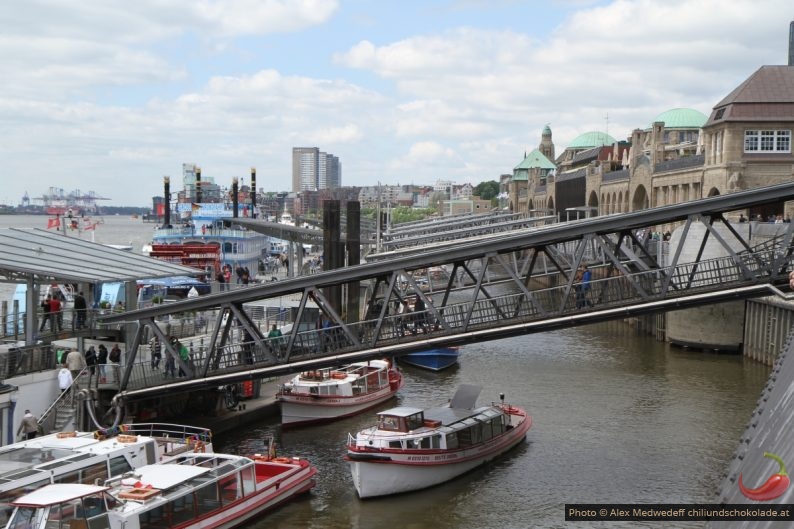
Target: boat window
[(26, 518), (389, 422), (396, 444), (435, 441), (230, 490), (415, 421), (181, 509), (487, 431), (119, 465), (422, 443), (452, 441), (248, 479), (207, 498)]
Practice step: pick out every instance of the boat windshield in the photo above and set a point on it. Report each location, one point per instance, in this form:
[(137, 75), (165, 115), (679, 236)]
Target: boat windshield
[(415, 421)]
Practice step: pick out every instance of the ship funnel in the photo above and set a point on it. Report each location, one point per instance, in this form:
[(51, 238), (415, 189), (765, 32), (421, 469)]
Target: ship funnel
[(234, 198), (253, 192), (167, 196), (198, 185)]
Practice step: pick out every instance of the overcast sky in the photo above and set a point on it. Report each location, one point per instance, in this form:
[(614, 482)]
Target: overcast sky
[(109, 95)]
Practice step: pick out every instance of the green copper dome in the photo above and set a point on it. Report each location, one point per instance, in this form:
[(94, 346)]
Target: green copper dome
[(681, 118), (591, 139)]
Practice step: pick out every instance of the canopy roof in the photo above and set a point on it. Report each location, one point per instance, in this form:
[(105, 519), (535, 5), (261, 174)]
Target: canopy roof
[(61, 258)]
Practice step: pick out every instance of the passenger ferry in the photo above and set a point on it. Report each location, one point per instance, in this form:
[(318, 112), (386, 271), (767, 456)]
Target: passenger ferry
[(84, 457), (324, 395), (413, 448), (206, 491)]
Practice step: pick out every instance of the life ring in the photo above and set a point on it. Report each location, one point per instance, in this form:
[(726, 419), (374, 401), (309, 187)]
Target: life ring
[(338, 375), (200, 447)]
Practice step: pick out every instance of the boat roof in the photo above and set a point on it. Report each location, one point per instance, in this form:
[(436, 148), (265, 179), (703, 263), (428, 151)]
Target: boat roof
[(44, 453), (57, 493), (402, 411), (165, 476)]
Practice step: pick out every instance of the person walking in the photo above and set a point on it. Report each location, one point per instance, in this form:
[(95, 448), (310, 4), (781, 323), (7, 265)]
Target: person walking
[(91, 359), (115, 354), (75, 362), (579, 288), (80, 310), (102, 360), (157, 355), (65, 379), (170, 364), (274, 337), (586, 278), (56, 313), (29, 426), (45, 314)]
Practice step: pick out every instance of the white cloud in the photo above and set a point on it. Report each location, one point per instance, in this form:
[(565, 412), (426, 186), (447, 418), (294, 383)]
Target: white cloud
[(461, 103)]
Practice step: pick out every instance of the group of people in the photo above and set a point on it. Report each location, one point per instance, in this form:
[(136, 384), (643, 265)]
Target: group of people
[(53, 308), (169, 367)]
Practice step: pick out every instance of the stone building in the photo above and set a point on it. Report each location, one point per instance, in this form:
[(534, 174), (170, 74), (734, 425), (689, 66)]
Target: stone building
[(683, 155)]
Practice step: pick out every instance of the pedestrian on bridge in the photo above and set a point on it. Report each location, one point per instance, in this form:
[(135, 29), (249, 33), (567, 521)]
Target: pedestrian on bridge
[(46, 315)]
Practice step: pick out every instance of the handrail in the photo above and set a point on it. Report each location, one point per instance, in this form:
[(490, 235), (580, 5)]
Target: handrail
[(65, 400)]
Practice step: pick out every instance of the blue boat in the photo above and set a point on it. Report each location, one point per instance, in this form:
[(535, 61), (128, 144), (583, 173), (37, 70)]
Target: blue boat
[(435, 359)]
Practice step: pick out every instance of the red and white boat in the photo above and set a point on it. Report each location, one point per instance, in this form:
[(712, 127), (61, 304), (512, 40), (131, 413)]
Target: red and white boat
[(413, 448), (326, 394), (200, 491)]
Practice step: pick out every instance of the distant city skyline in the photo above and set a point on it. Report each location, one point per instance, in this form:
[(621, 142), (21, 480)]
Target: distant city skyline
[(108, 96)]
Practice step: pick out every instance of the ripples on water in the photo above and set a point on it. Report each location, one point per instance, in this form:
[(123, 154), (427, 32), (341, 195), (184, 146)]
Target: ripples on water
[(618, 418)]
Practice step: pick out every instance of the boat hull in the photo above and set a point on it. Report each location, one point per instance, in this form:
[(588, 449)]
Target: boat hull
[(435, 359), (266, 498), (392, 472), (300, 409)]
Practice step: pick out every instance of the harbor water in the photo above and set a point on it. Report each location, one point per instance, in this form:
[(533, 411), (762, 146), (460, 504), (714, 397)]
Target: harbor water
[(618, 418)]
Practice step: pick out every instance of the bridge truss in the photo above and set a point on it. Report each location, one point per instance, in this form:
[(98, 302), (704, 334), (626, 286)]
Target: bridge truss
[(485, 288)]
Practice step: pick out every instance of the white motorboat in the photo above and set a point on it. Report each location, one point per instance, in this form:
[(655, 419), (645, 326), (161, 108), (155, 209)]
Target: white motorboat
[(206, 491), (84, 457), (413, 448), (323, 395)]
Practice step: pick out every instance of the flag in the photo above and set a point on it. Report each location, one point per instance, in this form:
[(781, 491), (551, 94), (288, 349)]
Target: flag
[(54, 223), (90, 226)]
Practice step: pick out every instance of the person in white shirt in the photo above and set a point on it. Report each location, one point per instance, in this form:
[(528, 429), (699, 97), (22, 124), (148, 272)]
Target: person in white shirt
[(64, 378)]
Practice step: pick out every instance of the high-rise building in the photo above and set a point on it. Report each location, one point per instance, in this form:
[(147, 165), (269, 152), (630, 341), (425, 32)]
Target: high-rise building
[(333, 172), (313, 170), (305, 168)]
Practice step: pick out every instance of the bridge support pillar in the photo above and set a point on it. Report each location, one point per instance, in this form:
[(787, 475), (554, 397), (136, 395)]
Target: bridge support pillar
[(353, 258), (333, 257)]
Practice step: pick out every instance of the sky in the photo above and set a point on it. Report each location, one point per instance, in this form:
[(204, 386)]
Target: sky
[(109, 96)]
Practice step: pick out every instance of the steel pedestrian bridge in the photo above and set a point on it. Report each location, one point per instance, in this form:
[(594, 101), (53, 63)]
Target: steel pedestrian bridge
[(480, 289)]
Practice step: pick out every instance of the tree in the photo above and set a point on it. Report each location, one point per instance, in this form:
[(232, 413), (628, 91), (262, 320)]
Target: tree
[(487, 190)]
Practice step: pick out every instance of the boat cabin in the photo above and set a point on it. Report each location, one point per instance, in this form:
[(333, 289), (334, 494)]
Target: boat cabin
[(403, 419)]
